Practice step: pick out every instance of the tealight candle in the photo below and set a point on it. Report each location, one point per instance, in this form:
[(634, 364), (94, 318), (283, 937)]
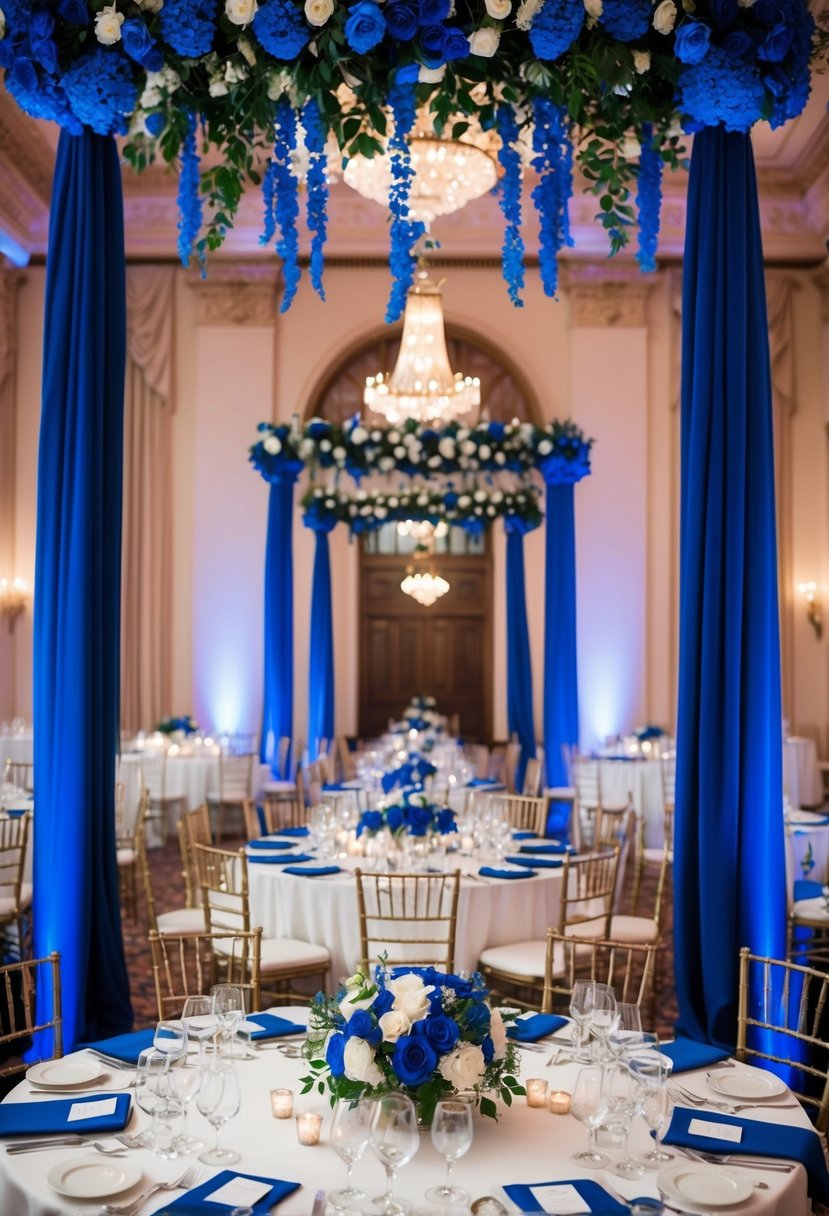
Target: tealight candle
[(282, 1103), (560, 1102), (536, 1092), (308, 1128)]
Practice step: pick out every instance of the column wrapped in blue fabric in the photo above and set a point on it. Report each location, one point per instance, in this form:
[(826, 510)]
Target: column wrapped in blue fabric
[(77, 594), (561, 694), (321, 654), (278, 707), (729, 853), (519, 667)]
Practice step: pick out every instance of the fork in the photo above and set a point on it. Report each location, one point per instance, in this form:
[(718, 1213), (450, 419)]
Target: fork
[(187, 1180), (730, 1108)]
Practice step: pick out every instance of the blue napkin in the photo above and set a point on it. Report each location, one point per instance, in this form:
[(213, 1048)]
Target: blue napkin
[(272, 1026), (195, 1203), (536, 1026), (548, 863), (597, 1198), (492, 872), (334, 786), (312, 871), (280, 859), (301, 831), (552, 846), (807, 888), (481, 783), (525, 835), (27, 1118), (126, 1047), (15, 812), (270, 844), (758, 1140), (687, 1054)]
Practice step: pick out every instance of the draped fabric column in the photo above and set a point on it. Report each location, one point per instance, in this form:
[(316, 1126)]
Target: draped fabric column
[(561, 696), (77, 601), (321, 655), (519, 667), (729, 867), (278, 709)]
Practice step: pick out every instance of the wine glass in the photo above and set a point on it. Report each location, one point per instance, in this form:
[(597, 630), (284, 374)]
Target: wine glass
[(451, 1136), (185, 1078), (229, 1008), (219, 1100), (578, 1013), (601, 1016), (170, 1039), (626, 1035), (394, 1140), (200, 1021), (349, 1139), (154, 1096), (589, 1106), (626, 1096), (657, 1107)]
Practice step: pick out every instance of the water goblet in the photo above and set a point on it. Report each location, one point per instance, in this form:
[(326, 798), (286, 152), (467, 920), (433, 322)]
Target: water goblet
[(218, 1100), (452, 1137), (657, 1107), (601, 1016), (185, 1078), (349, 1140), (170, 1039), (626, 1096), (229, 1008), (589, 1105), (626, 1035), (200, 1021), (394, 1140), (153, 1095), (578, 1012)]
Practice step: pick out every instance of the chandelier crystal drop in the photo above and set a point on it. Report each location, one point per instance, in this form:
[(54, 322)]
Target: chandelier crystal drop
[(424, 587)]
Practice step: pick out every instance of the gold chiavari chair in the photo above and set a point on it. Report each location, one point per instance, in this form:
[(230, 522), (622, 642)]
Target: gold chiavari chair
[(522, 814), (282, 811), (347, 759), (532, 778), (646, 856), (176, 920), (19, 983), (154, 780), (481, 762), (193, 828), (512, 755), (786, 1004), (15, 893), (189, 964), (628, 968), (409, 918), (20, 774), (235, 786), (127, 848)]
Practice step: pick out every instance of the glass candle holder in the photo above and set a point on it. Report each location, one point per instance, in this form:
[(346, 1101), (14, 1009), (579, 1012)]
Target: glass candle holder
[(536, 1092), (559, 1102), (308, 1128), (282, 1103)]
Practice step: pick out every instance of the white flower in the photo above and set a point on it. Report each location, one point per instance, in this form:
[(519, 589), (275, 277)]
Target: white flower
[(359, 1062), (385, 464), (362, 495), (499, 9), (468, 447), (641, 61), (393, 1024), (497, 496), (108, 24), (484, 42), (325, 445), (393, 437), (480, 496), (150, 97), (490, 510), (393, 502), (593, 8), (464, 501), (241, 12), (423, 500), (306, 449), (431, 75), (349, 1006), (400, 451), (484, 451), (2, 24), (217, 87), (500, 458), (462, 433), (433, 462), (498, 1034), (338, 453), (278, 85), (380, 512), (359, 434), (151, 6), (247, 52), (446, 447), (545, 447), (317, 12), (665, 17), (376, 436), (411, 996), (464, 1067), (272, 445), (235, 72), (526, 11)]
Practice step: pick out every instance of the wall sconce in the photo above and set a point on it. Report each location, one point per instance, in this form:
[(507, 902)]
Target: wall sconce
[(809, 593), (13, 596)]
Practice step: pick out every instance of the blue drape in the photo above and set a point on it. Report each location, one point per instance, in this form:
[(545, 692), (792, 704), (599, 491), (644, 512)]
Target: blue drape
[(278, 707), (77, 592), (729, 868), (321, 657), (519, 667), (561, 694)]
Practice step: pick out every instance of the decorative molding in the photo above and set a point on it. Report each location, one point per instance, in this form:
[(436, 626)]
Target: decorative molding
[(600, 295), (237, 293)]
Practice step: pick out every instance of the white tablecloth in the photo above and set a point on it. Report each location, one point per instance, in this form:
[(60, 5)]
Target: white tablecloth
[(526, 1145), (190, 778), (642, 779), (802, 783), (19, 748)]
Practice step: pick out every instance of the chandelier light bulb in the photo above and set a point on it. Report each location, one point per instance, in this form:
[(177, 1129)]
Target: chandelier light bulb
[(425, 588)]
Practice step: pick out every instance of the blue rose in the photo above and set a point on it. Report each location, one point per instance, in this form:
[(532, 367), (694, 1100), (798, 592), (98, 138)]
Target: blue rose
[(765, 11), (318, 430), (488, 1049), (155, 123), (74, 11), (446, 821), (334, 1053), (434, 11), (41, 24), (413, 1059), (497, 430), (45, 53), (432, 38), (477, 1019), (140, 45), (401, 20), (775, 46), (370, 821), (442, 1033), (382, 1002), (365, 27), (361, 1025), (420, 818), (394, 818), (692, 41), (724, 12), (455, 43)]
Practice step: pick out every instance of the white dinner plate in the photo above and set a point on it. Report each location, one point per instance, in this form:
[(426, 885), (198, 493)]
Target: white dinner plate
[(92, 1178), (72, 1071), (703, 1186), (748, 1086)]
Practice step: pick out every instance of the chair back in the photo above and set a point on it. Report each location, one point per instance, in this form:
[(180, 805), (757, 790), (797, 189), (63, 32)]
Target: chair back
[(20, 774), (193, 828), (481, 762), (14, 836), (588, 885), (560, 804), (532, 778), (240, 744), (522, 814), (283, 752), (512, 757), (668, 769), (120, 821), (139, 843), (189, 964), (587, 780), (411, 918), (154, 774), (19, 985), (628, 968), (347, 759), (781, 1015), (223, 879), (253, 823), (282, 812), (236, 776)]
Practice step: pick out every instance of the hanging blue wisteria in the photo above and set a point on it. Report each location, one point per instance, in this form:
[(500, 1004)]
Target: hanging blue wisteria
[(317, 185), (404, 231), (189, 197), (553, 162), (512, 250), (648, 199), (286, 205)]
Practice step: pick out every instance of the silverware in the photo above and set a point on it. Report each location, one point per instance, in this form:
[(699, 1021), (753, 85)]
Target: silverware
[(487, 1205), (187, 1180), (319, 1204), (80, 1090), (38, 1148), (112, 1061), (43, 1142), (730, 1108), (749, 1163)]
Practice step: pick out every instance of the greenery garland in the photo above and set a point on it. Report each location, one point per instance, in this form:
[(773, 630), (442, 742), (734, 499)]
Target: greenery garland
[(474, 508)]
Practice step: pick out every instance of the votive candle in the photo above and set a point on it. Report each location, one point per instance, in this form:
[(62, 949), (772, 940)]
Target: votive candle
[(282, 1103), (536, 1092), (560, 1102), (308, 1128)]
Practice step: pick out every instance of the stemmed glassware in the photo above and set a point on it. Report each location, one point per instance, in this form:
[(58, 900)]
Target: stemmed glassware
[(626, 1035), (349, 1139), (589, 1105), (229, 1008), (394, 1140), (601, 1016), (185, 1079), (626, 1097), (218, 1100), (170, 1039), (200, 1021), (154, 1095), (657, 1107), (451, 1136), (578, 1013)]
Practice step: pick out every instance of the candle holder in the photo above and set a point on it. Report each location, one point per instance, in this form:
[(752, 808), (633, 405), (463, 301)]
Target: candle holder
[(559, 1102), (308, 1128), (536, 1092), (282, 1103)]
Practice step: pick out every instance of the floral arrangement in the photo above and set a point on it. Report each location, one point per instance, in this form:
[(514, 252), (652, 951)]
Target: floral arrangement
[(414, 815), (418, 1030), (170, 726), (421, 704), (645, 733), (269, 82), (414, 772), (473, 508)]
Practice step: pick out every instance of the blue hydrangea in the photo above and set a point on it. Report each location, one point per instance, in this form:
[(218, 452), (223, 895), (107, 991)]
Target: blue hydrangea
[(626, 19), (648, 199), (512, 250), (720, 90), (43, 97), (188, 26), (101, 90), (556, 27), (789, 83), (280, 27)]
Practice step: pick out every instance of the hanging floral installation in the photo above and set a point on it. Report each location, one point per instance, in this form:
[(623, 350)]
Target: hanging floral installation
[(284, 88)]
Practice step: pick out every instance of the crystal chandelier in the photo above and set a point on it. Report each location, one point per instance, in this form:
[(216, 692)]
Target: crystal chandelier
[(422, 385), (424, 587)]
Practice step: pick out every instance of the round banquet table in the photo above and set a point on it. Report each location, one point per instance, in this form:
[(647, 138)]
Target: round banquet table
[(323, 910), (526, 1145), (802, 782), (642, 779), (19, 748)]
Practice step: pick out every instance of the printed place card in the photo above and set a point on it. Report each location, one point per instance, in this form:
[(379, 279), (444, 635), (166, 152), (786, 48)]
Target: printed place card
[(239, 1193), (91, 1110), (559, 1198), (716, 1131)]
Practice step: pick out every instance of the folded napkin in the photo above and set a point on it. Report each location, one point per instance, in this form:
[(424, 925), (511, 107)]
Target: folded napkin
[(547, 863), (493, 872), (312, 871), (525, 835), (126, 1047), (266, 843), (27, 1118), (552, 846), (813, 821), (271, 1026), (686, 1054), (482, 783), (596, 1197), (301, 831), (280, 859), (536, 1026), (757, 1140), (197, 1202), (806, 888)]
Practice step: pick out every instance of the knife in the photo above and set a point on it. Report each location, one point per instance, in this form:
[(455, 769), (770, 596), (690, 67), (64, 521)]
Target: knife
[(28, 1146), (319, 1204)]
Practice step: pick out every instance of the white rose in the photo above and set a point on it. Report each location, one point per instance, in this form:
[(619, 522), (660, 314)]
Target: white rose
[(151, 6), (464, 1067), (446, 447), (317, 12), (2, 24), (380, 512), (348, 1006), (484, 42), (545, 447), (462, 433), (306, 449), (376, 436), (393, 502), (385, 464), (338, 453), (593, 8), (665, 17), (393, 437), (499, 9), (400, 451), (411, 996), (108, 25), (641, 61), (498, 1034), (150, 97), (497, 496), (479, 496), (359, 435), (393, 1024), (217, 87), (468, 447), (464, 501), (325, 445), (241, 12), (362, 495), (423, 500), (359, 1062), (431, 75), (500, 458), (272, 445), (433, 462), (484, 451)]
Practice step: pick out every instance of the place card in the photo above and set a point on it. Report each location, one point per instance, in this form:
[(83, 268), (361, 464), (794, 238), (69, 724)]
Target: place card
[(716, 1131), (559, 1199), (91, 1110), (239, 1193)]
